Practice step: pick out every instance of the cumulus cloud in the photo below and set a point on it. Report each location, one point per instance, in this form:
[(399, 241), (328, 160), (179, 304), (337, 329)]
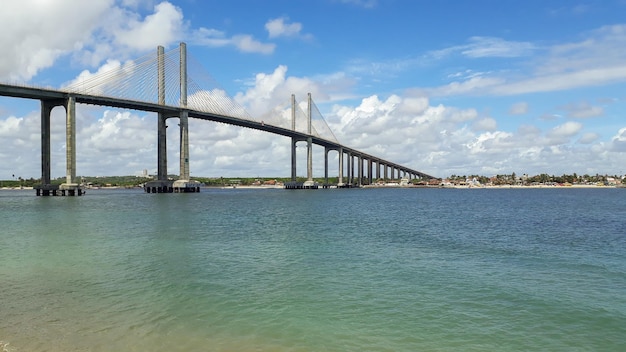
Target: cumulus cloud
[(42, 40), (618, 142), (165, 25), (561, 134), (279, 27), (94, 31), (276, 88)]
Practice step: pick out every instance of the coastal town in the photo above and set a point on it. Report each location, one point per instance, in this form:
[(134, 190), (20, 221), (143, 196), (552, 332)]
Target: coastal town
[(542, 180)]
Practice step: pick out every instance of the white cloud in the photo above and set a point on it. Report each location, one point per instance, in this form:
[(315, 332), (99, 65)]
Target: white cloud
[(562, 81), (243, 42), (588, 138), (279, 28), (271, 90), (595, 60), (248, 44), (486, 124), (618, 142), (480, 47), (165, 25), (33, 38), (561, 134), (520, 108), (583, 110), (93, 31), (472, 86)]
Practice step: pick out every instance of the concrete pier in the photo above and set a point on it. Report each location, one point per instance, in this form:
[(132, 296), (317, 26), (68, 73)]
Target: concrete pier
[(302, 185), (70, 187), (169, 186)]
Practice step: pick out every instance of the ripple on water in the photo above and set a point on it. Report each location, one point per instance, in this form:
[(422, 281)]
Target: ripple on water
[(351, 270)]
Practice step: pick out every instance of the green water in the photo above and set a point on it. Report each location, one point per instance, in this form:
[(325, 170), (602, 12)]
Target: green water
[(319, 270)]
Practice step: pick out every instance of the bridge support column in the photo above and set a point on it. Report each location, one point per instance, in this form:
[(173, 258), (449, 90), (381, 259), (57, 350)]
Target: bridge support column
[(326, 151), (348, 169), (370, 165), (184, 145), (161, 123), (359, 171), (293, 140), (70, 185), (340, 176), (309, 162), (377, 169), (309, 183), (161, 148), (46, 108), (70, 140), (293, 159)]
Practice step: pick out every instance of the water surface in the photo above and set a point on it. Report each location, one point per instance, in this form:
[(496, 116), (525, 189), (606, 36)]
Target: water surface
[(318, 270)]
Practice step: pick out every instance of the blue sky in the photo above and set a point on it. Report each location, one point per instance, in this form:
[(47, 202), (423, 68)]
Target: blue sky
[(444, 87)]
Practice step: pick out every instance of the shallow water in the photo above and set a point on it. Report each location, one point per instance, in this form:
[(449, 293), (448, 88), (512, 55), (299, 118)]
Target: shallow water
[(325, 270)]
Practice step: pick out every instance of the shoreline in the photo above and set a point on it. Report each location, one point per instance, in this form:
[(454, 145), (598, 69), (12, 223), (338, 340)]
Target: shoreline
[(366, 186)]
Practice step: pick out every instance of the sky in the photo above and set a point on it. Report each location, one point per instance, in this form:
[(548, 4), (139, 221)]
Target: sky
[(482, 87)]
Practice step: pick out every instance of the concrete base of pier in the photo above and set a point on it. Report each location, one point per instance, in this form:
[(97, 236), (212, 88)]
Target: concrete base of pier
[(178, 186), (301, 185), (158, 187), (186, 186), (66, 189)]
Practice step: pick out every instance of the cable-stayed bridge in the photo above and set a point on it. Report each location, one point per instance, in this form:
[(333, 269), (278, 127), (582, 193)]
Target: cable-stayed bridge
[(163, 84)]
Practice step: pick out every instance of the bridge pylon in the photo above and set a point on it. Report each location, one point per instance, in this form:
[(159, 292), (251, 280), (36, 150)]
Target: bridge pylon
[(183, 184)]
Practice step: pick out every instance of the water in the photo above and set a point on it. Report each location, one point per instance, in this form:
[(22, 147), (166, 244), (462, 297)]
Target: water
[(325, 270)]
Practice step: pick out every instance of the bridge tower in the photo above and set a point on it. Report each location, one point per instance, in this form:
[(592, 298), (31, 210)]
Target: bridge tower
[(309, 183), (163, 184)]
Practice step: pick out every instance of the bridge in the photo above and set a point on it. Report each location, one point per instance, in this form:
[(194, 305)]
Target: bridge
[(132, 86)]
